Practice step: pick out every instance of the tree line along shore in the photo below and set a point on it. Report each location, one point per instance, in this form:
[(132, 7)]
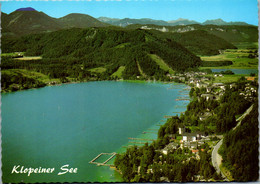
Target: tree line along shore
[(113, 53), (182, 152), (183, 149)]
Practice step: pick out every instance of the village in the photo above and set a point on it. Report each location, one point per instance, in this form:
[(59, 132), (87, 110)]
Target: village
[(188, 140), (212, 91)]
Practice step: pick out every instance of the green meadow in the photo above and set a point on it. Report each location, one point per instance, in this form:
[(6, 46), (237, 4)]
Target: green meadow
[(161, 63), (119, 72), (227, 78), (241, 58)]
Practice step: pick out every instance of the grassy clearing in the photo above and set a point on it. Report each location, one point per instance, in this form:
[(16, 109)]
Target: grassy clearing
[(24, 58), (11, 54), (238, 57), (140, 69), (28, 58), (98, 70), (227, 78), (119, 72), (30, 74), (246, 45), (161, 63)]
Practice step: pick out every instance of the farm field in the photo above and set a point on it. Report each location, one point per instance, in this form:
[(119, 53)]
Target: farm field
[(241, 58), (227, 78)]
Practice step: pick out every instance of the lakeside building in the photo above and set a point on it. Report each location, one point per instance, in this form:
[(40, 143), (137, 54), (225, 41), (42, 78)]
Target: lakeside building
[(207, 96), (182, 129), (171, 146)]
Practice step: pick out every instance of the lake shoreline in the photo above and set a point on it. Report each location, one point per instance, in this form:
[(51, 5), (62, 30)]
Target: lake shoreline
[(148, 133), (78, 82), (51, 112)]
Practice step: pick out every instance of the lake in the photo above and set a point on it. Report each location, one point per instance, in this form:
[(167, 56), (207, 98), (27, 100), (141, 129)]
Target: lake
[(238, 71), (73, 123)]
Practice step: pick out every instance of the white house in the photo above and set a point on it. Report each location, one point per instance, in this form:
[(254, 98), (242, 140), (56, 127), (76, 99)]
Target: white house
[(189, 137)]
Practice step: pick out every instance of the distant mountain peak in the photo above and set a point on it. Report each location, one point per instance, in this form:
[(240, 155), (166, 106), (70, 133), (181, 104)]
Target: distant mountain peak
[(26, 9), (219, 21), (215, 21), (181, 19)]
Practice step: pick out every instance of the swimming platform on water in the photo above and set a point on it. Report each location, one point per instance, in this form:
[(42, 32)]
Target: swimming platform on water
[(93, 161)]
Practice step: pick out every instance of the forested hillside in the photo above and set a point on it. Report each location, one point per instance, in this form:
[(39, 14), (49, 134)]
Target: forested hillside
[(199, 42), (202, 43), (28, 20), (73, 52), (230, 33), (240, 148)]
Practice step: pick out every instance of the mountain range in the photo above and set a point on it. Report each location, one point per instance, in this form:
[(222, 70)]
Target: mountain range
[(127, 21), (27, 20), (79, 46)]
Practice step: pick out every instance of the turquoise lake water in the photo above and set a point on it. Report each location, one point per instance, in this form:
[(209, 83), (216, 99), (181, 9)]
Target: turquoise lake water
[(71, 124)]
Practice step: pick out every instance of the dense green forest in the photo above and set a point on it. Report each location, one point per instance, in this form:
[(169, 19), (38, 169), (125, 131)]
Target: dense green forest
[(99, 53), (149, 164), (230, 33), (222, 113), (199, 42), (216, 63), (72, 52), (16, 81), (240, 149)]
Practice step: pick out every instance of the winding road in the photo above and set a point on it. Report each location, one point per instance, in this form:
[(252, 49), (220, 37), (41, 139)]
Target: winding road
[(215, 157)]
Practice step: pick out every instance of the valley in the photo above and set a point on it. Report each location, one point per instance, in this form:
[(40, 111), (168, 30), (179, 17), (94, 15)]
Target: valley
[(217, 62)]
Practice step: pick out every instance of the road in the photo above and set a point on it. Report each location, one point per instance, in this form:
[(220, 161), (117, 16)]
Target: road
[(215, 157)]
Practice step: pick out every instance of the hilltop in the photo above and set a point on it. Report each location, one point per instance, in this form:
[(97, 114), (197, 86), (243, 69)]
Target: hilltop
[(79, 21), (230, 33), (25, 21), (199, 42), (180, 21), (222, 22), (26, 9)]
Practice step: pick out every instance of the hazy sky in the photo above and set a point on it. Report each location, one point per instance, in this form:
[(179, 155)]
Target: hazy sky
[(199, 10)]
